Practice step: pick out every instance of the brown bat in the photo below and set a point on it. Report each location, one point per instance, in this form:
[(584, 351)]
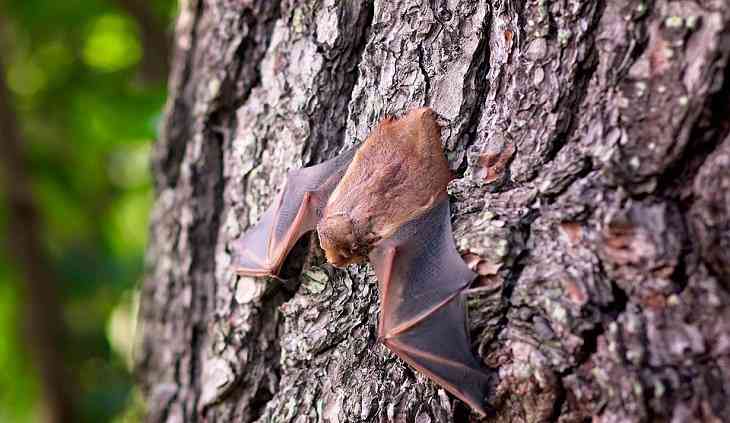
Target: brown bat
[(386, 201)]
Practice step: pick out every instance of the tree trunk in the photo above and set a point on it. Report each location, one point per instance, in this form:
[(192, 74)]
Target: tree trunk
[(43, 326), (590, 143)]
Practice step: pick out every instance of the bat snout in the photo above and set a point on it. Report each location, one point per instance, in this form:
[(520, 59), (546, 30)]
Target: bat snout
[(337, 238)]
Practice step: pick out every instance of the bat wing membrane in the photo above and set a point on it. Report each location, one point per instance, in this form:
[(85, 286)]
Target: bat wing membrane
[(423, 319), (296, 210)]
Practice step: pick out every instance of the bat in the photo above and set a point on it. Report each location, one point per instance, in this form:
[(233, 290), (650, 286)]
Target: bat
[(386, 201)]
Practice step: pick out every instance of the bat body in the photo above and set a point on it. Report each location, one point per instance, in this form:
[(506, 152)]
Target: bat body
[(386, 201)]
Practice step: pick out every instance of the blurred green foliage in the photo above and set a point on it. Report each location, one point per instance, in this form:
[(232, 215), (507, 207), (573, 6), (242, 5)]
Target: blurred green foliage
[(73, 68)]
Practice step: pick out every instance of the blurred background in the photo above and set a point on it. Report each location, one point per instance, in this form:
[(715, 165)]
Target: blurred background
[(82, 88)]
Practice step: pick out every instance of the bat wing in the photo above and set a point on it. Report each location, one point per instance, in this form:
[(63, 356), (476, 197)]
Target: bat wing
[(423, 320), (296, 210)]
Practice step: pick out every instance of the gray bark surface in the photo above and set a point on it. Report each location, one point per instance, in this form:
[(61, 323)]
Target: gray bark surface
[(591, 146)]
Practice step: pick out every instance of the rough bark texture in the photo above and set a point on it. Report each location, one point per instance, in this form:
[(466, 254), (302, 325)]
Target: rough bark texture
[(591, 144)]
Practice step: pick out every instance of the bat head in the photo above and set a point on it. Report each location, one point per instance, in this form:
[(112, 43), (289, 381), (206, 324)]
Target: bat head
[(337, 237)]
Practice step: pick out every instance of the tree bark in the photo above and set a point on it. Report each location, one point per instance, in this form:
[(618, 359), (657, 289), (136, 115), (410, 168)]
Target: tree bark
[(591, 147)]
